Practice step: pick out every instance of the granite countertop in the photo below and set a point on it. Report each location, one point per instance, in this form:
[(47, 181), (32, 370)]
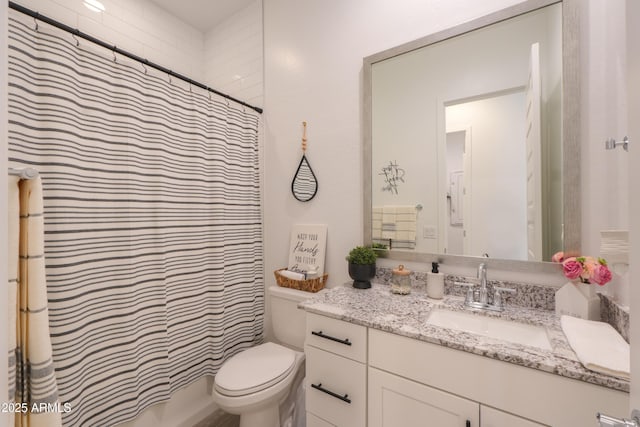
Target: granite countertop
[(406, 315)]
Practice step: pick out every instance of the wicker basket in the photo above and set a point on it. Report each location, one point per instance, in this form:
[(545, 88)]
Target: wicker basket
[(309, 285)]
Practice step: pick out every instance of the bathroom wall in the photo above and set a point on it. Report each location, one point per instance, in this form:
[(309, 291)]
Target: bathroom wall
[(605, 177), (233, 55), (138, 26)]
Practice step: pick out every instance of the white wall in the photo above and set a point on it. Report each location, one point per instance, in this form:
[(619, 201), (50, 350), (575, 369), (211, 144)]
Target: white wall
[(233, 55), (605, 174)]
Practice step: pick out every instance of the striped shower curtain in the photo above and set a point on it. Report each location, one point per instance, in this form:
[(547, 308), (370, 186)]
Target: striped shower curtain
[(153, 223)]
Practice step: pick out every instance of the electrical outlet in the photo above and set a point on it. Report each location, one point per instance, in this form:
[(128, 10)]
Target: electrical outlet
[(429, 232)]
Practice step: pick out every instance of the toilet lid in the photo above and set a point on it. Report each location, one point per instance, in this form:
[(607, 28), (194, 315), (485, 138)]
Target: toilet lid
[(254, 369)]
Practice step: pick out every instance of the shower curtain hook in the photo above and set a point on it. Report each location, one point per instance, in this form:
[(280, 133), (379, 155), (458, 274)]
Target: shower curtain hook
[(209, 91), (144, 67), (35, 21), (75, 38), (114, 54), (169, 75)]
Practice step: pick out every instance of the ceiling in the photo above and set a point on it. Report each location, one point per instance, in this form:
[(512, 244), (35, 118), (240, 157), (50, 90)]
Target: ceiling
[(203, 14)]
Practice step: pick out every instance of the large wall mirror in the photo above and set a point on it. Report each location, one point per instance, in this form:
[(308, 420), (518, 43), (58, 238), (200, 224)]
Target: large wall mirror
[(471, 140)]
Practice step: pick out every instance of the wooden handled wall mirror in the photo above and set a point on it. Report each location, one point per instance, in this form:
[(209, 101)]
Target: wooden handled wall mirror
[(479, 126)]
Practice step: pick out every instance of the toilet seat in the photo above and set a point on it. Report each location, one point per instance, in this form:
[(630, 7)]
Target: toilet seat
[(254, 370)]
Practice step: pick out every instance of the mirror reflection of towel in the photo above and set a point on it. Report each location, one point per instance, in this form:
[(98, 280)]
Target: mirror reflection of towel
[(394, 226)]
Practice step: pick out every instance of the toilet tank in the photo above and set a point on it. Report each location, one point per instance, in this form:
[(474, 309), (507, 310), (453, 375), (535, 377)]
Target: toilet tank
[(287, 320)]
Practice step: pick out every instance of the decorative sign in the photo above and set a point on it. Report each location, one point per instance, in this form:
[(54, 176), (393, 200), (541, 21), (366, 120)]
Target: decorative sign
[(393, 174), (307, 248)]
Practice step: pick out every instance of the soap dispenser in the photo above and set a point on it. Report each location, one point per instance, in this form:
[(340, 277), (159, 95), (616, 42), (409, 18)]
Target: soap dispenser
[(435, 282)]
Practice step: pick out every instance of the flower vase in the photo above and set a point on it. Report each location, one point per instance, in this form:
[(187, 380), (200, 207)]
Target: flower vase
[(578, 300)]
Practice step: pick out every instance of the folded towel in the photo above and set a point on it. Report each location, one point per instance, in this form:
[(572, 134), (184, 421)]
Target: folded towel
[(388, 215), (292, 275), (598, 346)]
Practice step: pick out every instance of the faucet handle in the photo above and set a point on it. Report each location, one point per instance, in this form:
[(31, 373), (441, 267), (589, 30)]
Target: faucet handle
[(497, 298), (469, 294)]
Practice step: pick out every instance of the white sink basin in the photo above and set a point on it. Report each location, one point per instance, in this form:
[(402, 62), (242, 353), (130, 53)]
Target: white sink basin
[(519, 333)]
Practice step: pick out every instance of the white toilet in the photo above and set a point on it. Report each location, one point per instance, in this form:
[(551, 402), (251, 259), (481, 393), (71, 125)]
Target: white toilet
[(255, 381)]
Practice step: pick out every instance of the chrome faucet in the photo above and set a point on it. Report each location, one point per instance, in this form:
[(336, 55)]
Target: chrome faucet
[(480, 298)]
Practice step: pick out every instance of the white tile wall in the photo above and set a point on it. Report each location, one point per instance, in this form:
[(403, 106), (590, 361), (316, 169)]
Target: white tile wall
[(233, 55), (137, 26)]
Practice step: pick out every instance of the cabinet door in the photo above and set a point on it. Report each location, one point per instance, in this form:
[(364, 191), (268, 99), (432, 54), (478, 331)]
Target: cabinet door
[(494, 418), (395, 401), (313, 421)]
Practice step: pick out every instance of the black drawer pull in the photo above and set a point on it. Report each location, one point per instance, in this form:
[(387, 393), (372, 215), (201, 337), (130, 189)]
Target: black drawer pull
[(329, 337), (344, 398)]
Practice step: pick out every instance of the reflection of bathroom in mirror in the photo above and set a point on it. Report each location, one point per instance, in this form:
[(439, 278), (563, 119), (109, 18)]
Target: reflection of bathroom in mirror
[(470, 130)]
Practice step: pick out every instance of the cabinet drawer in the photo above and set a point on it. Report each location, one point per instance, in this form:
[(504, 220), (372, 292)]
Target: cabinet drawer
[(337, 336), (336, 388)]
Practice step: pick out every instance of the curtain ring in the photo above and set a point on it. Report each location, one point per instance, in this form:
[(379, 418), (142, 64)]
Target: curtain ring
[(35, 21), (169, 75), (209, 91), (144, 67), (114, 54), (76, 39)]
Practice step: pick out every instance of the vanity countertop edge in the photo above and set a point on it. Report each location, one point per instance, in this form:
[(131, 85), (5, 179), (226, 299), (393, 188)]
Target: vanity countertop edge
[(407, 315)]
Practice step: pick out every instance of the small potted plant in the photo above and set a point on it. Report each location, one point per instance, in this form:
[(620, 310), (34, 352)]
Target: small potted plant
[(362, 266)]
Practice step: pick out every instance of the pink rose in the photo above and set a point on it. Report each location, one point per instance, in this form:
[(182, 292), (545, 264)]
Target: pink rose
[(558, 257), (571, 268), (600, 274), (589, 264)]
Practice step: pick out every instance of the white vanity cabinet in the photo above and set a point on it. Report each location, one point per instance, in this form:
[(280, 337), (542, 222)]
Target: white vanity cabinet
[(358, 376), (504, 394), (336, 374)]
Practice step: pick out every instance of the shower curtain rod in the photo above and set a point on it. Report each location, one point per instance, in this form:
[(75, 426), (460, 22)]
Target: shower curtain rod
[(76, 32), (24, 173)]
